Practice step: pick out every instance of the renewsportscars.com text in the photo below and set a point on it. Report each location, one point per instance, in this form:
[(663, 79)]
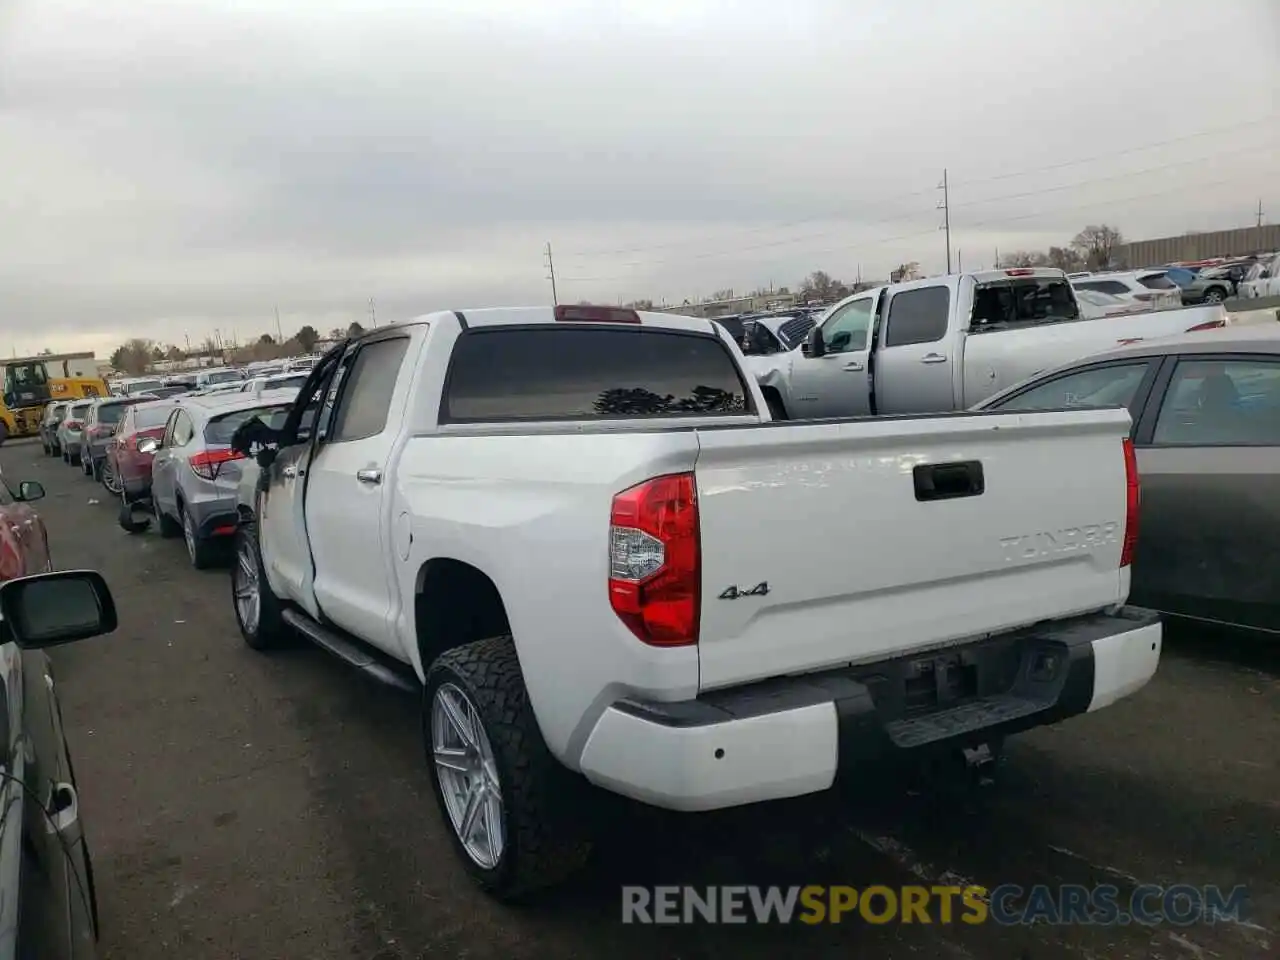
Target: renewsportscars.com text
[(1008, 904)]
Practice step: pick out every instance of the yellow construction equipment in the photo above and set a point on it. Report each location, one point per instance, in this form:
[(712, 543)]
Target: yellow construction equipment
[(32, 383)]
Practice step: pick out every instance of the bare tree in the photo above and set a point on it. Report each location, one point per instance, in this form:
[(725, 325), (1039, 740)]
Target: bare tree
[(1097, 245), (905, 271), (1066, 259), (819, 285), (133, 356), (725, 294), (1024, 258)]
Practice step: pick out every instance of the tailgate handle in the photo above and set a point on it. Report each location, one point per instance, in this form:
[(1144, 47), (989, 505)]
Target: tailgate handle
[(949, 481)]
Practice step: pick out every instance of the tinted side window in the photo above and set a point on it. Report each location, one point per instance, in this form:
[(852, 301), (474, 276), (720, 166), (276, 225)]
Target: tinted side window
[(917, 316), (180, 430), (366, 400), (1221, 403), (1111, 386), (1113, 287), (589, 373)]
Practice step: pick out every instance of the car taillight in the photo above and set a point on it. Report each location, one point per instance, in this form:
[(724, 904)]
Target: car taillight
[(590, 314), (654, 560), (1207, 325), (208, 463), (1133, 497), (74, 424), (1144, 297)]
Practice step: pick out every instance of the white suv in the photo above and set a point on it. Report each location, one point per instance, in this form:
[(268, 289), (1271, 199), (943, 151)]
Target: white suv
[(1151, 288)]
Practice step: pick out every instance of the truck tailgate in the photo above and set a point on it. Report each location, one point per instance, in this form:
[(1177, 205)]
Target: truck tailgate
[(856, 567)]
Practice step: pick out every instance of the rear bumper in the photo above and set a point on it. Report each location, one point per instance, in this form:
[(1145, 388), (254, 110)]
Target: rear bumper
[(791, 736), (220, 522)]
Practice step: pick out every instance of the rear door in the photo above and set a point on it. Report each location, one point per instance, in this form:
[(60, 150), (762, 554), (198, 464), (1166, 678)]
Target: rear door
[(1209, 457), (347, 524), (838, 383), (178, 435), (914, 362)]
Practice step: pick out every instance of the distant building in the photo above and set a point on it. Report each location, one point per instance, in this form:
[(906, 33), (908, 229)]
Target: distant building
[(1200, 246)]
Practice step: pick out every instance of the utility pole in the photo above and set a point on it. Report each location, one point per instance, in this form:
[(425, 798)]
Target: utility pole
[(1259, 213), (945, 206), (551, 275), (373, 313), (279, 335), (187, 337), (960, 260), (996, 264)]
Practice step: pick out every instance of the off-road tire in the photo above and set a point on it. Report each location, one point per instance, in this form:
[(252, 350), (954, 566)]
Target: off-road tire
[(271, 631), (546, 837)]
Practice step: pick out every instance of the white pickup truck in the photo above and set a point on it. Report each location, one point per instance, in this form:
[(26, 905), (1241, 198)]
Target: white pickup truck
[(576, 532), (946, 343)]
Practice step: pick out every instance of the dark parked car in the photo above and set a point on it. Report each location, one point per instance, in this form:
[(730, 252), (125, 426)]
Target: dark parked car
[(100, 425), (48, 908), (1215, 284), (1206, 430)]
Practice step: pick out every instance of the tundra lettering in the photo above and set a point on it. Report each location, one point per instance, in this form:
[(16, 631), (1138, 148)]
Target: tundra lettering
[(1046, 543)]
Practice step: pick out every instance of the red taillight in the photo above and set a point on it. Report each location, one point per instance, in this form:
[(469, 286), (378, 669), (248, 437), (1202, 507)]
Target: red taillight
[(587, 314), (1207, 325), (654, 566), (208, 464), (1020, 272), (74, 424), (1133, 496)]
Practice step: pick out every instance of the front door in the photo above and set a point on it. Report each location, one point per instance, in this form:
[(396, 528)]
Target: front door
[(347, 496), (282, 538), (1208, 456), (838, 383), (915, 365)]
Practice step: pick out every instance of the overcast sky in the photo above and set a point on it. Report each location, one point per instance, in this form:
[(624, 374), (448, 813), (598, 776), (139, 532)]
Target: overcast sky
[(167, 168)]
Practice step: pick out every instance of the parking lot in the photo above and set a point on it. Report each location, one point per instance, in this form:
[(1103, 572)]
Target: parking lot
[(251, 806)]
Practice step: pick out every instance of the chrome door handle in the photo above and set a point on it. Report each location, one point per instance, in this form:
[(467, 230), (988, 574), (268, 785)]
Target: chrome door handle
[(369, 476), (290, 471), (933, 358), (854, 366)]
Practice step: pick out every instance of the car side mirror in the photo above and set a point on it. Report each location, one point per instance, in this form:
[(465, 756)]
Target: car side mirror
[(147, 445), (50, 609), (817, 346), (30, 490)]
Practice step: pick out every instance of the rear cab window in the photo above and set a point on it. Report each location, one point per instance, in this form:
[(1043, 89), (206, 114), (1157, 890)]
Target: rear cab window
[(111, 412), (1022, 301), (149, 417), (590, 373), (1157, 281)]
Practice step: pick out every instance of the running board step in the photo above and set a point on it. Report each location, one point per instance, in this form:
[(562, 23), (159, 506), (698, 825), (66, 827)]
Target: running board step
[(976, 715), (350, 651)]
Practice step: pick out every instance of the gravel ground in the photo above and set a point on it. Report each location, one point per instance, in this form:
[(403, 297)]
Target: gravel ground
[(260, 807)]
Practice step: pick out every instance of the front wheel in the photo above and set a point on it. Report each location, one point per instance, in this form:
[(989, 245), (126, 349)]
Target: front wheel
[(1215, 296), (507, 801)]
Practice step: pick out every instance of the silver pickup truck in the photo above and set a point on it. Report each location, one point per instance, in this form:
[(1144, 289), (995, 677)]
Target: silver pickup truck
[(946, 343)]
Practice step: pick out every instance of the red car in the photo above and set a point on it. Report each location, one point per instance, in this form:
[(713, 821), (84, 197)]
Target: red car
[(24, 544), (127, 472)]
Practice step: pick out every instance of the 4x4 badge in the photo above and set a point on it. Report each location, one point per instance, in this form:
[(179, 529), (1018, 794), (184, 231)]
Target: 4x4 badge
[(733, 593)]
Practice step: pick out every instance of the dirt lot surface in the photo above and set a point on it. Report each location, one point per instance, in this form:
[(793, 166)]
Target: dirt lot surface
[(260, 807)]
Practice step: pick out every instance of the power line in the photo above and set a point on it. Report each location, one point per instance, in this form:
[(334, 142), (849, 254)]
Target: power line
[(1010, 175), (884, 241), (785, 241)]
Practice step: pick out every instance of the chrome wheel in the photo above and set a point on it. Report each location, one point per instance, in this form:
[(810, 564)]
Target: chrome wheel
[(189, 535), (245, 585), (1214, 296), (468, 775), (109, 478)]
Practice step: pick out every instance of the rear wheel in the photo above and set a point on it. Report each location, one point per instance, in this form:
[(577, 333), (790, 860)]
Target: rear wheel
[(508, 803), (200, 551), (109, 477), (74, 460), (257, 609), (1215, 295)]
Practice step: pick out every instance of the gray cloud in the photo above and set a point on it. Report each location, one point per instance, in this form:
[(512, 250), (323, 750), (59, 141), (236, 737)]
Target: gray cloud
[(171, 168)]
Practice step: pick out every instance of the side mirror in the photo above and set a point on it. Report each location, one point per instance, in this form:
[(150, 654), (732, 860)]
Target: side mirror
[(50, 609), (817, 346), (29, 490), (147, 445)]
